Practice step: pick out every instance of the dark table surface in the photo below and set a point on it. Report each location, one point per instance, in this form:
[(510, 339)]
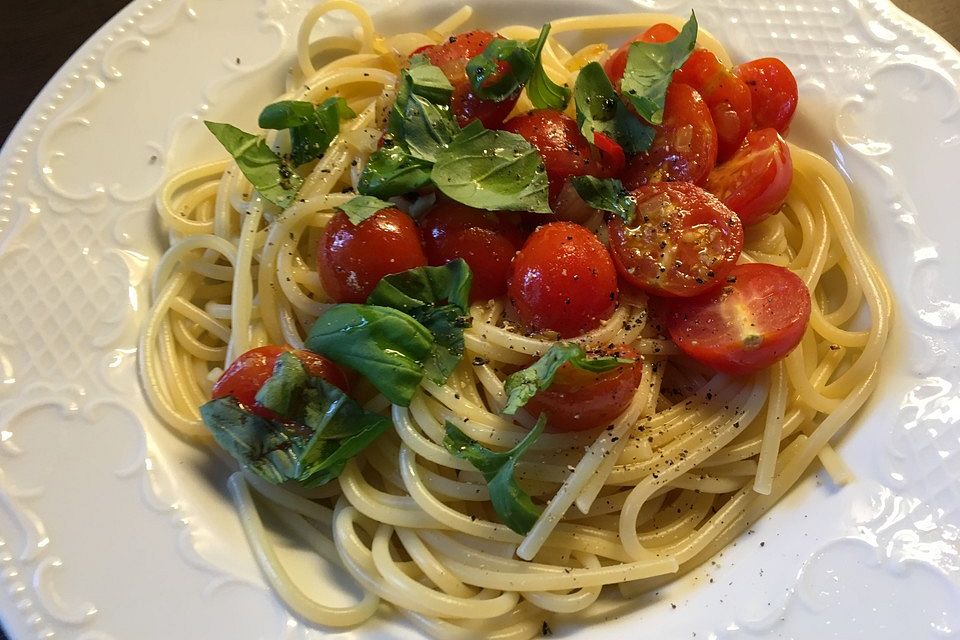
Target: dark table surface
[(38, 36)]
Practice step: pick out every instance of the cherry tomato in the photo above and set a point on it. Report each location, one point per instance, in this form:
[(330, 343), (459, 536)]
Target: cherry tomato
[(563, 280), (726, 95), (244, 377), (486, 240), (353, 258), (755, 181), (756, 319), (452, 57), (617, 62), (579, 400), (565, 151), (682, 243), (685, 147), (773, 90)]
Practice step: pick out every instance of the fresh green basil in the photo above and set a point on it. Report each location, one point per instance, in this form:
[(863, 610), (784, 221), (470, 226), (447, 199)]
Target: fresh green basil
[(650, 68), (511, 503), (312, 129), (272, 176), (359, 208), (607, 195), (438, 298), (320, 428), (427, 128), (386, 346), (421, 79), (495, 170), (524, 384), (391, 171), (543, 92), (599, 108)]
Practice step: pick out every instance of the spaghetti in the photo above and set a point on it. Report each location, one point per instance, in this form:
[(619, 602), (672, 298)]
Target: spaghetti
[(694, 459)]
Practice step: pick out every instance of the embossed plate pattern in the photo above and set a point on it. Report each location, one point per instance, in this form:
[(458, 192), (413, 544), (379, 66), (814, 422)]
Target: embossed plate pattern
[(112, 528)]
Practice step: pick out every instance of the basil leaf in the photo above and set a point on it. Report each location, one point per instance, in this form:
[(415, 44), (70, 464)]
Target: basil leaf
[(524, 384), (494, 170), (321, 430), (360, 208), (486, 78), (427, 128), (270, 175), (384, 345), (650, 68), (391, 171), (607, 195), (438, 298), (511, 503), (423, 286), (312, 129), (543, 92), (599, 108), (429, 81)]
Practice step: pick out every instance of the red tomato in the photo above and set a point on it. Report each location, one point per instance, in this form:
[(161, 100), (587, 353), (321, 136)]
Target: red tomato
[(353, 258), (773, 90), (726, 95), (563, 280), (244, 377), (683, 242), (685, 147), (756, 319), (452, 57), (617, 62), (579, 400), (486, 240), (755, 181), (565, 151)]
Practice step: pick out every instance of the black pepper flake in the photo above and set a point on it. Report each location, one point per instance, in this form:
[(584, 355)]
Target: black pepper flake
[(545, 629)]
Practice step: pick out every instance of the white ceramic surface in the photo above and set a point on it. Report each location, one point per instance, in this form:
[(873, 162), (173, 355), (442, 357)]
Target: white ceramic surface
[(112, 528)]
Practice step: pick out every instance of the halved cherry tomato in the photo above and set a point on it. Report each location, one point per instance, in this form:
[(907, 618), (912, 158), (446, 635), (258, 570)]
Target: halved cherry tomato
[(563, 280), (754, 320), (726, 95), (579, 400), (682, 243), (617, 62), (773, 90), (452, 57), (564, 150), (244, 377), (755, 181), (685, 147), (351, 259), (486, 240)]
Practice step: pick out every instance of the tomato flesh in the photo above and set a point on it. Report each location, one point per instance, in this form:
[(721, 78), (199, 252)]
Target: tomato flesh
[(753, 321), (685, 146), (756, 180), (486, 240), (563, 280), (617, 62), (773, 91), (452, 57), (579, 400), (726, 95), (244, 377), (565, 151), (351, 259), (682, 241)]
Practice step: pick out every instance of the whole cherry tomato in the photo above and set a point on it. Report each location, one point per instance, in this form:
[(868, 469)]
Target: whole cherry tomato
[(773, 90)]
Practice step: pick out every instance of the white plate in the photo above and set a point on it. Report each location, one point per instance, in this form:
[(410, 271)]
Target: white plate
[(112, 528)]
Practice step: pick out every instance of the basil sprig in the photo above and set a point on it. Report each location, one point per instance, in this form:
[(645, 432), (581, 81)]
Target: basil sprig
[(650, 68), (599, 108), (312, 128), (411, 327), (525, 68), (359, 208), (318, 430), (524, 384), (606, 194), (511, 503), (393, 171)]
